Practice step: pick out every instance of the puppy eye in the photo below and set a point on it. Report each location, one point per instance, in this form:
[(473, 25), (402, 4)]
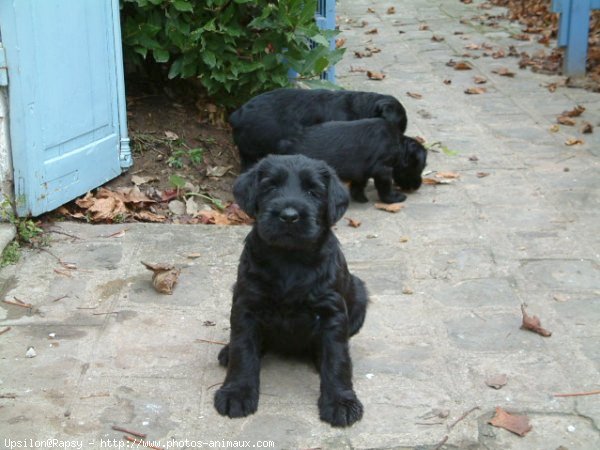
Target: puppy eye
[(267, 185)]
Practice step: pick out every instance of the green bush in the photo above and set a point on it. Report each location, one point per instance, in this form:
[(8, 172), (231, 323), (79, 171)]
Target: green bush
[(235, 48)]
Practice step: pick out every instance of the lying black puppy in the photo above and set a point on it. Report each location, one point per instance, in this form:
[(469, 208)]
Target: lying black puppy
[(294, 293), (407, 173), (358, 150), (266, 119)]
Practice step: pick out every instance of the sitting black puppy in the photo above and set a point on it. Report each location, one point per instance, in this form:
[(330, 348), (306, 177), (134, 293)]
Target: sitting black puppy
[(294, 293), (407, 173), (358, 150), (266, 119)]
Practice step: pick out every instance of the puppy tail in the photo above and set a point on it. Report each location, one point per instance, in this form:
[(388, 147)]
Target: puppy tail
[(358, 310)]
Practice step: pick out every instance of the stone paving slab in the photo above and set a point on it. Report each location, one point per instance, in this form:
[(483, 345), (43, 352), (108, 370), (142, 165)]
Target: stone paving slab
[(447, 276)]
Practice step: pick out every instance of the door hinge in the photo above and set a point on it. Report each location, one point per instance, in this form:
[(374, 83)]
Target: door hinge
[(3, 68)]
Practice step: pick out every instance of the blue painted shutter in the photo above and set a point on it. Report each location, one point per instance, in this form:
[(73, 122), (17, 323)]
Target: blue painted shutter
[(66, 98), (325, 18)]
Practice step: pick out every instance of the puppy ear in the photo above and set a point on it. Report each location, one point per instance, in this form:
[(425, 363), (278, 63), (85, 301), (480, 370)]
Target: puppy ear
[(245, 189), (392, 112), (337, 197)]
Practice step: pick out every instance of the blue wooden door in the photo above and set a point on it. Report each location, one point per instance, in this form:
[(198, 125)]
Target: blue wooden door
[(66, 98)]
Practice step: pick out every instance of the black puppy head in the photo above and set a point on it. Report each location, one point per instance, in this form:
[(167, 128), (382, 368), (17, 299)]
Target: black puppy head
[(294, 199), (392, 111), (412, 161)]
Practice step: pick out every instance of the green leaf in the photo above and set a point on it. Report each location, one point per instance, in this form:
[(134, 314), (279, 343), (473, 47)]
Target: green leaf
[(175, 69), (182, 5), (209, 58), (177, 181), (160, 55), (142, 51), (321, 64), (321, 40)]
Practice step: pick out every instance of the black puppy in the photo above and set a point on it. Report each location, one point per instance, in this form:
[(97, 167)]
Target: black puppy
[(407, 173), (266, 119), (358, 150), (294, 293)]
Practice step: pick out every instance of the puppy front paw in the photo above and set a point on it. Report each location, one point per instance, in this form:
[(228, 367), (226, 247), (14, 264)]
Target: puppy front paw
[(224, 356), (393, 197), (236, 401), (341, 409)]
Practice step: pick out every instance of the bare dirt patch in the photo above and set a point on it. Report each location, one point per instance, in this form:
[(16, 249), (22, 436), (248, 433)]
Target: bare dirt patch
[(184, 163)]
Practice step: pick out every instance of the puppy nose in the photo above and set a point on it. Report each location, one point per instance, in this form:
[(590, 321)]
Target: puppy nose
[(289, 215)]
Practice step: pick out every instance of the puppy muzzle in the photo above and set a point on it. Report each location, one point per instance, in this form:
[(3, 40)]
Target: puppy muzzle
[(289, 225)]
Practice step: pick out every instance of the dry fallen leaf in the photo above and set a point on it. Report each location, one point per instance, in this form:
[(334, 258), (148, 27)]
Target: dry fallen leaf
[(339, 43), (586, 128), (574, 141), (462, 65), (423, 27), (575, 112), (361, 54), (217, 171), (137, 180), (554, 128), (86, 201), (482, 174), (511, 422), (497, 381), (375, 75), (390, 207), (564, 120), (164, 276), (500, 53), (131, 195), (353, 222), (372, 31), (533, 323), (171, 136), (211, 217), (447, 81), (475, 90), (373, 49), (521, 37), (109, 209), (148, 216), (472, 46), (504, 72), (479, 80), (231, 215), (448, 175), (436, 38), (371, 10), (414, 95), (391, 10), (193, 255), (436, 181)]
